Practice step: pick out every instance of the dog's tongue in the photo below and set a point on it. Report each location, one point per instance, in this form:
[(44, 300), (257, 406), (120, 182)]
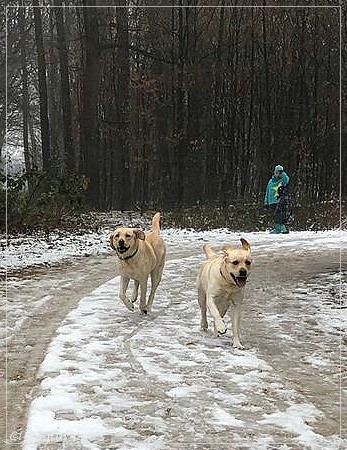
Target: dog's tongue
[(241, 281)]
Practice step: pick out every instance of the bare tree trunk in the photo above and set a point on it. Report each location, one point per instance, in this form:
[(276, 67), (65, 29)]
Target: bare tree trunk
[(267, 116), (65, 88), (54, 105), (90, 90), (35, 153), (246, 187), (25, 91), (180, 178), (41, 63), (122, 105), (213, 170)]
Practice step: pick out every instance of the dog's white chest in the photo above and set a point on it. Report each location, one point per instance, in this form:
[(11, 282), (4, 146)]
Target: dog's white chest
[(127, 270)]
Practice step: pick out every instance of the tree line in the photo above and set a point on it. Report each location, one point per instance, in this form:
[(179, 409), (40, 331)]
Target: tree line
[(176, 106)]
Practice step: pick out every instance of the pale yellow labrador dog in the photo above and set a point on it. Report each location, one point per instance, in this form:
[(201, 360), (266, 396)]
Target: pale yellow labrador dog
[(140, 255), (221, 284)]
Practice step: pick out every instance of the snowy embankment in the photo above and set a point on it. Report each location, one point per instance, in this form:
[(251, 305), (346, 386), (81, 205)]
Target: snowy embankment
[(115, 379), (44, 249), (23, 251), (30, 251)]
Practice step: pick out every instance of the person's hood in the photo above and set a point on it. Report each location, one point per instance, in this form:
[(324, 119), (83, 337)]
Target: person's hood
[(278, 168)]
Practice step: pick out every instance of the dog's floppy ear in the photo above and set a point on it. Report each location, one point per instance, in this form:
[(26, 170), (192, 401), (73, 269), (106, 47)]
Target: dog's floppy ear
[(111, 241), (225, 249), (139, 234), (245, 244)]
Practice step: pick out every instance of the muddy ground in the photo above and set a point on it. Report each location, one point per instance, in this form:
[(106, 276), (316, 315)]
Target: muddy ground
[(40, 299)]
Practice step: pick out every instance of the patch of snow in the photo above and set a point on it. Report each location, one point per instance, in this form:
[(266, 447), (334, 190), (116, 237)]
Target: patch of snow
[(222, 418), (25, 251), (182, 391), (297, 419), (317, 361)]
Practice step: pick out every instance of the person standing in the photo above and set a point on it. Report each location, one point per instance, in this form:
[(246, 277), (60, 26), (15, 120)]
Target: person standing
[(283, 216), (279, 178)]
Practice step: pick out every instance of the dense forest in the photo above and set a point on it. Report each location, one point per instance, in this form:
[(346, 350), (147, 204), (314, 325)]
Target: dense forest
[(176, 106)]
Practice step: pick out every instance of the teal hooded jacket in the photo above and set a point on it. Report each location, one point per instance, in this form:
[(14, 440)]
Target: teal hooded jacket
[(272, 186)]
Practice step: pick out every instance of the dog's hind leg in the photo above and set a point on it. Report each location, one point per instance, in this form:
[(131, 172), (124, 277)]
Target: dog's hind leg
[(155, 280), (203, 309), (143, 286), (135, 291)]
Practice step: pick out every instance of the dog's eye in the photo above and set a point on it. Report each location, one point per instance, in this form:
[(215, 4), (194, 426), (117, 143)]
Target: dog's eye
[(248, 263), (128, 235), (235, 263), (116, 235)]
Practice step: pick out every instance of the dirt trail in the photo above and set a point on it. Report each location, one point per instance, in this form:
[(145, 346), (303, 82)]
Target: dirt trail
[(296, 335), (65, 285), (68, 283)]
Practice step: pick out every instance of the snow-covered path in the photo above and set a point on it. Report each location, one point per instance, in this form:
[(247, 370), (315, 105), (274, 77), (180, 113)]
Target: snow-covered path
[(116, 380)]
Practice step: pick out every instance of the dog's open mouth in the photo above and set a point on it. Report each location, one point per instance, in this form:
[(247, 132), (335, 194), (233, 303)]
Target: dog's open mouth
[(123, 249), (239, 281)]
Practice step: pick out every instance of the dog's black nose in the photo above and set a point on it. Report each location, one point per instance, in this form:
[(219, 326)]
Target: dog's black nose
[(243, 272), (121, 242)]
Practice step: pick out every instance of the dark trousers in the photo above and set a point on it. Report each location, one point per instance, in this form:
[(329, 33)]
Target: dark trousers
[(272, 209)]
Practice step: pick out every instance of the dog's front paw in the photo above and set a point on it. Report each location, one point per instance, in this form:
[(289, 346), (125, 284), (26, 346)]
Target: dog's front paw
[(128, 304), (238, 345), (143, 311), (220, 327)]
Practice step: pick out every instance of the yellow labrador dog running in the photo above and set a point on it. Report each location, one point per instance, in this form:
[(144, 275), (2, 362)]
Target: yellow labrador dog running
[(221, 282), (140, 255)]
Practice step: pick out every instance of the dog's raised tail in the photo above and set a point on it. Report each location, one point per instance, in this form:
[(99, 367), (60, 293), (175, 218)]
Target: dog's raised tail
[(156, 223), (209, 252)]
